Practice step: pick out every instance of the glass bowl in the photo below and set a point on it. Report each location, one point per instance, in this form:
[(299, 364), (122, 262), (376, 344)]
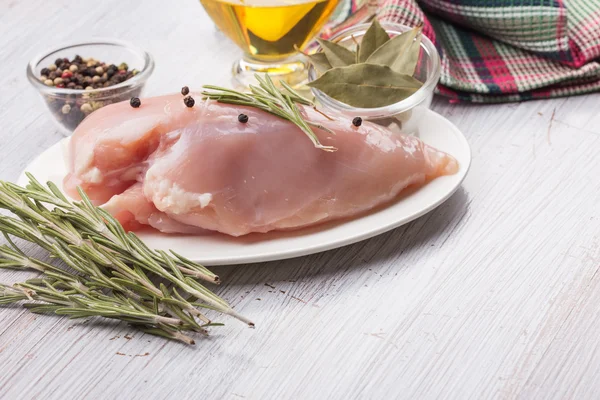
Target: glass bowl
[(69, 107), (404, 115)]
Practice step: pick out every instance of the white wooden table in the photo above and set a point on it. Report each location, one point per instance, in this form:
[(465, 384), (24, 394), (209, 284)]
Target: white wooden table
[(493, 295)]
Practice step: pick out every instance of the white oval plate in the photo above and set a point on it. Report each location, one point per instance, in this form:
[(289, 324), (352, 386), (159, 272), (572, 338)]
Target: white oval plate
[(219, 249)]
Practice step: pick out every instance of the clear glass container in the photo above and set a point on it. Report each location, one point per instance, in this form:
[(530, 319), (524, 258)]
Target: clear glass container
[(268, 32), (404, 115), (104, 50)]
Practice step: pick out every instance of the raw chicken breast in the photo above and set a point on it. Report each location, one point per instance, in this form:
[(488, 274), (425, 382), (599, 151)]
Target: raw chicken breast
[(190, 170)]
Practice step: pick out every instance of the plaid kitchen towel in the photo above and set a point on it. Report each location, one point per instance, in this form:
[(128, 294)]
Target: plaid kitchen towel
[(499, 50)]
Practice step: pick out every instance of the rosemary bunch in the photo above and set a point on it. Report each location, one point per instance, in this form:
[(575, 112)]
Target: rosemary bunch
[(110, 265), (267, 97)]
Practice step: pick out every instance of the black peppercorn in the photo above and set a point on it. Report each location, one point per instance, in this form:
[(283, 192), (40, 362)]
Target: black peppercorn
[(135, 102), (185, 90), (45, 71), (58, 62), (243, 118), (357, 121), (189, 101)]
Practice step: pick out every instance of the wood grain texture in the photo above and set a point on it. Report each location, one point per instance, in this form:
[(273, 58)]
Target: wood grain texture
[(494, 295)]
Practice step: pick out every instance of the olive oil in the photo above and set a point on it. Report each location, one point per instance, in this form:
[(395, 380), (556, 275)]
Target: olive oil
[(268, 30)]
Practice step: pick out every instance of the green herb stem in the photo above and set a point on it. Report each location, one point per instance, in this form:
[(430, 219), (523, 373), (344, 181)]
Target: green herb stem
[(267, 97)]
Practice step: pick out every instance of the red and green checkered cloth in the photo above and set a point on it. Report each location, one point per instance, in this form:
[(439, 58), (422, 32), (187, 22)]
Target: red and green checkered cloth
[(500, 50)]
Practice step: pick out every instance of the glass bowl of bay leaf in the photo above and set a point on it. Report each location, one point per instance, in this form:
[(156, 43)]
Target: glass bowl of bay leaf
[(399, 116)]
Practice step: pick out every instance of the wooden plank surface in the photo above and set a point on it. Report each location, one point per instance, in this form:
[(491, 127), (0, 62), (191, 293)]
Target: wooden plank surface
[(493, 295)]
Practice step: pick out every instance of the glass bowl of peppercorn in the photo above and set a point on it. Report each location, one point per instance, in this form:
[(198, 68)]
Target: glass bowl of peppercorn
[(77, 79)]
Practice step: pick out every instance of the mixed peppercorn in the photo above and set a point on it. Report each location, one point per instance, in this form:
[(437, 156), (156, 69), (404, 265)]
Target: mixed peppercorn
[(86, 74)]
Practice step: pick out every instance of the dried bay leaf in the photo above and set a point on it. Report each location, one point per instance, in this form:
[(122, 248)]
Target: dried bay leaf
[(400, 53), (356, 60), (366, 85), (406, 63), (338, 55), (320, 62), (374, 38), (357, 54)]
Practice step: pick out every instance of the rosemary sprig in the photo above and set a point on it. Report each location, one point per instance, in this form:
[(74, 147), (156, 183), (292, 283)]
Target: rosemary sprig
[(78, 301), (267, 97), (65, 293), (110, 266)]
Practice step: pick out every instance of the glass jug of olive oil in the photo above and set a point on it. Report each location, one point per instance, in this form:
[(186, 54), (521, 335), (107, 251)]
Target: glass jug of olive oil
[(267, 31)]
